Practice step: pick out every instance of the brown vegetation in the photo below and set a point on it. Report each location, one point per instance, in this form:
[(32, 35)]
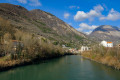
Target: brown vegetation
[(107, 56), (26, 47)]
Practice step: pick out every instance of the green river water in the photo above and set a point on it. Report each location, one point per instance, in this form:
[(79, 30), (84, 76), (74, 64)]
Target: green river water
[(72, 67)]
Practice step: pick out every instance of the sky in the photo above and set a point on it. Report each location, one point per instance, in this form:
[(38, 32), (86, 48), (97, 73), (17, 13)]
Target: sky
[(83, 15)]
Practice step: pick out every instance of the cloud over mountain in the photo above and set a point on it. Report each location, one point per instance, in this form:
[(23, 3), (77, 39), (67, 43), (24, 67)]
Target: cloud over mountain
[(66, 15), (22, 1), (95, 12), (30, 2), (112, 15), (86, 28)]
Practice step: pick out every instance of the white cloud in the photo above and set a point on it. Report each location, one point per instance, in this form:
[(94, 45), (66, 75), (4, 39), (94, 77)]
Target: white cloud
[(66, 15), (72, 7), (95, 12), (83, 27), (35, 3), (98, 8), (22, 1), (30, 2), (112, 15), (81, 15), (88, 32)]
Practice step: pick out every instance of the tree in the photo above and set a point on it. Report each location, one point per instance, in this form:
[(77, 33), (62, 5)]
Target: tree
[(5, 27)]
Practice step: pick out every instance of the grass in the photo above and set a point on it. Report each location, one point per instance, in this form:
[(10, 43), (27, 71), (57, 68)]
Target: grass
[(3, 58), (107, 56), (78, 37), (44, 29), (41, 22)]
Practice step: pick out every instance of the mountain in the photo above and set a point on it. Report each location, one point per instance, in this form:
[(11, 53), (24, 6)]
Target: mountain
[(42, 23), (106, 32)]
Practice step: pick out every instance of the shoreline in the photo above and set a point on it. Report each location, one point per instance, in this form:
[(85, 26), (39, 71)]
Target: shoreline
[(26, 62), (114, 65), (8, 65)]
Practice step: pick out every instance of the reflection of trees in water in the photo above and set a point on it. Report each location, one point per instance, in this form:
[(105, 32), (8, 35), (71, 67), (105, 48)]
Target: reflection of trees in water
[(98, 67), (64, 68), (40, 71)]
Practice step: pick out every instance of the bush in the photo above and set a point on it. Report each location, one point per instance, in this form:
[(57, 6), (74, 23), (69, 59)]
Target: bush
[(103, 51), (35, 48)]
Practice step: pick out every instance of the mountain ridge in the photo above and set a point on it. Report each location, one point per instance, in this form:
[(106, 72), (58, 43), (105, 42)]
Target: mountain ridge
[(106, 32), (43, 24)]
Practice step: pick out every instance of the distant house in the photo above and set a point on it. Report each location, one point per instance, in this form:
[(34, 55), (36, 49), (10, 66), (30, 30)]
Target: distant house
[(17, 43), (85, 48), (72, 50), (106, 44)]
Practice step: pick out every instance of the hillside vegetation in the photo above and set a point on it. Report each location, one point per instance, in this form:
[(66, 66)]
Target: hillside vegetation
[(18, 47), (43, 24), (107, 56)]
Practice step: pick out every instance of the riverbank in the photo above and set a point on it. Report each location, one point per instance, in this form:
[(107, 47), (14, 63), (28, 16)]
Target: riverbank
[(111, 61), (7, 65), (10, 64), (73, 67)]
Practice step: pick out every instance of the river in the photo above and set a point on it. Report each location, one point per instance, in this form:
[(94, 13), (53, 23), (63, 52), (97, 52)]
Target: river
[(72, 67)]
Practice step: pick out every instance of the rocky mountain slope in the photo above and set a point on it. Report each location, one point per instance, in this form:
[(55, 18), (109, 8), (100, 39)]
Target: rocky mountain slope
[(43, 24), (106, 32)]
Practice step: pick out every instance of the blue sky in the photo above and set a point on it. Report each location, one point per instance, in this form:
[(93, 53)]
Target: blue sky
[(83, 15)]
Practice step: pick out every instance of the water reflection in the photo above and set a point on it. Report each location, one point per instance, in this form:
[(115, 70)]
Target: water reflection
[(65, 68), (112, 74)]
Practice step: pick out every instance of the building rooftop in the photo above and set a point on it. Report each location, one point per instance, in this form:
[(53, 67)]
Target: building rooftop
[(109, 42)]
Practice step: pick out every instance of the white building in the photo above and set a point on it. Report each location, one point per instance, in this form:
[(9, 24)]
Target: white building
[(106, 44), (84, 48)]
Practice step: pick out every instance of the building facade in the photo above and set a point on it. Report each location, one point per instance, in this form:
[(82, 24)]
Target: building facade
[(106, 44), (84, 48)]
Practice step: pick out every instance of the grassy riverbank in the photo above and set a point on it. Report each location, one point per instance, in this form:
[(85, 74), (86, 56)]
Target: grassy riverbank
[(107, 56), (9, 64)]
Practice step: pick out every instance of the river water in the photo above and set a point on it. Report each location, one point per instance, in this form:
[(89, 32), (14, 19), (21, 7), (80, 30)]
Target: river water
[(72, 67)]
